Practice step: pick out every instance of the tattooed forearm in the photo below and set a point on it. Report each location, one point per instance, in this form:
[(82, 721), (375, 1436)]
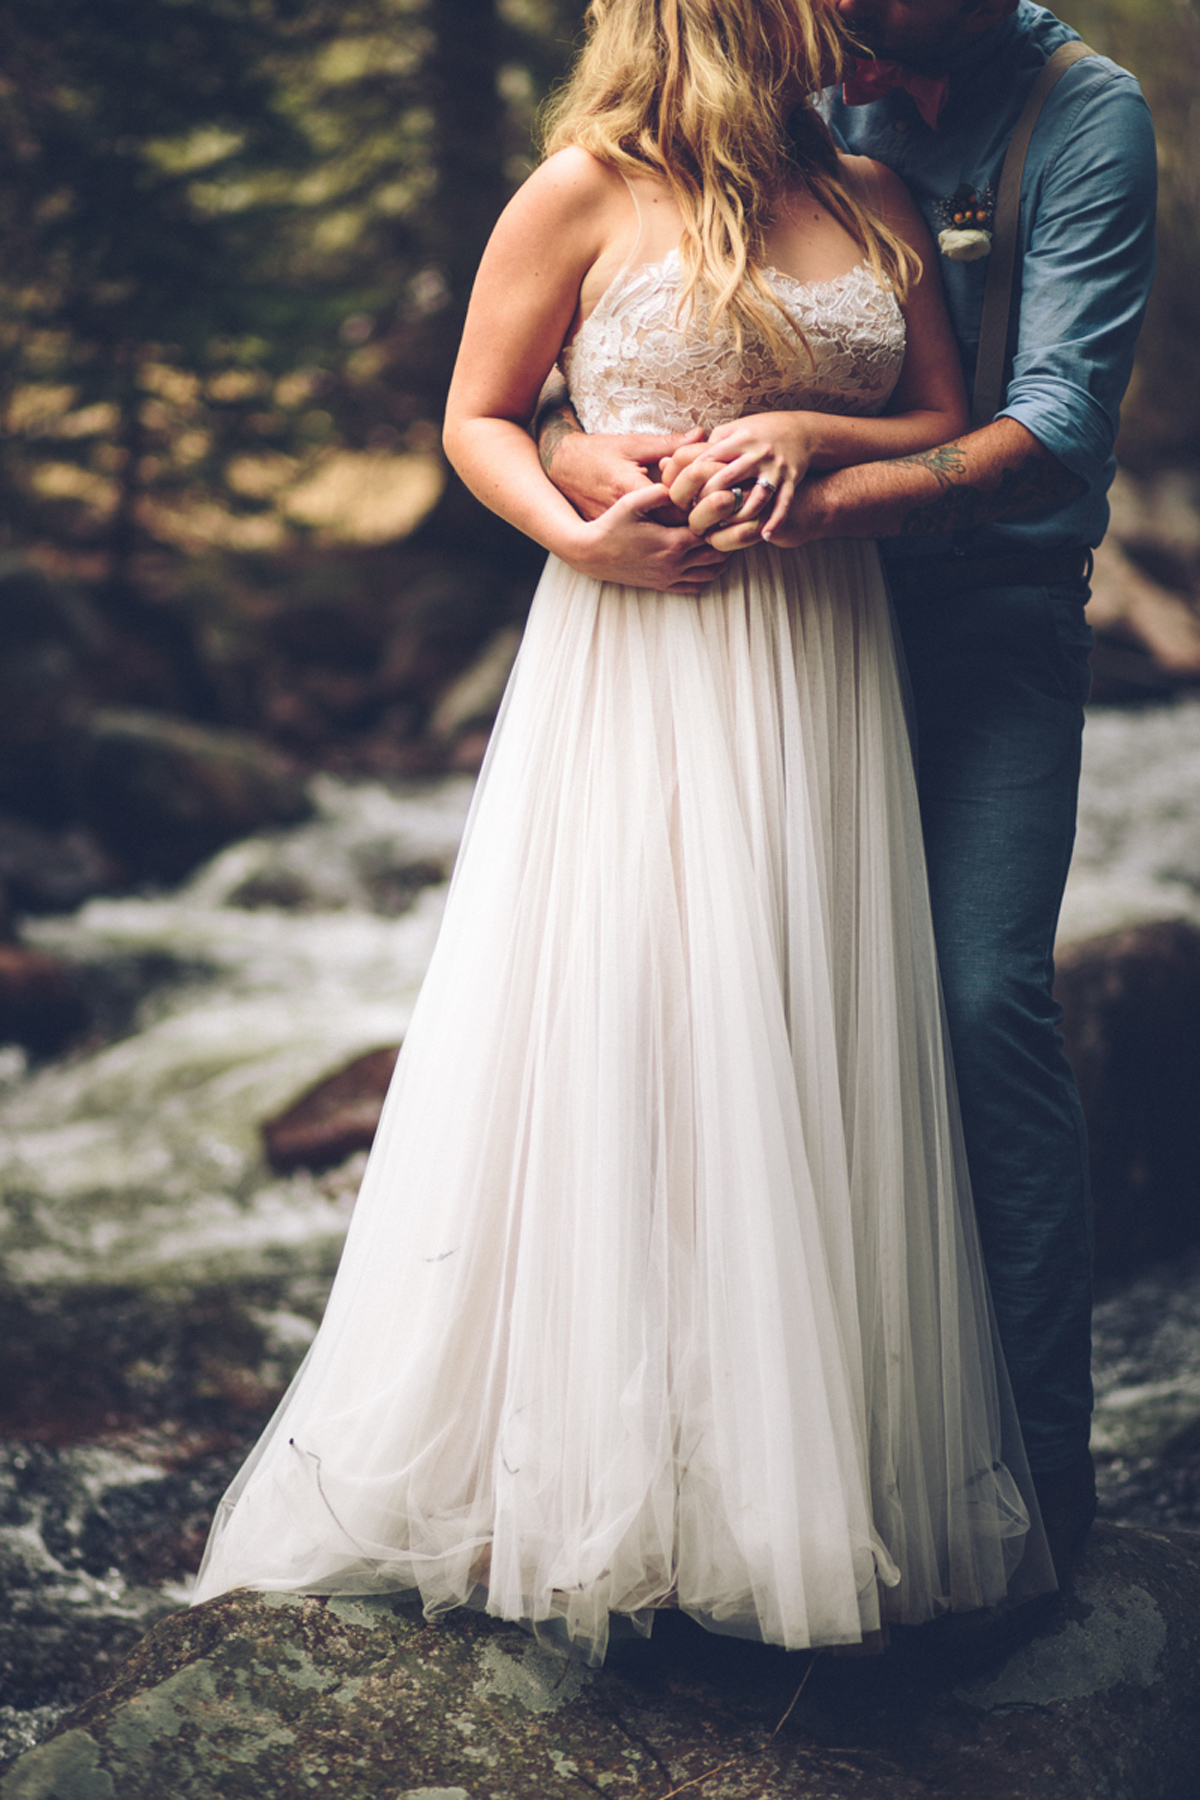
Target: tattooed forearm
[(998, 473), (552, 428), (1037, 484), (947, 464)]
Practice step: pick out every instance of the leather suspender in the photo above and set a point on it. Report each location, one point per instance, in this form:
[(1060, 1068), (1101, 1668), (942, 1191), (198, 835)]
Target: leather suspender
[(997, 294)]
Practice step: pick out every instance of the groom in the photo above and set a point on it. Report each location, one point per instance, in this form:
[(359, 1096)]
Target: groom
[(986, 544)]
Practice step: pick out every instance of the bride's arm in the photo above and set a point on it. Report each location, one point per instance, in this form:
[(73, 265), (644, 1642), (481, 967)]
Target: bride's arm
[(525, 297), (928, 407)]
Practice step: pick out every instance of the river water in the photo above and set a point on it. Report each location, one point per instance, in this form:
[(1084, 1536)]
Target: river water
[(170, 1283)]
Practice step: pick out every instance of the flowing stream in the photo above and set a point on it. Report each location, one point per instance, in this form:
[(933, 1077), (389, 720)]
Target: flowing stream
[(165, 1283)]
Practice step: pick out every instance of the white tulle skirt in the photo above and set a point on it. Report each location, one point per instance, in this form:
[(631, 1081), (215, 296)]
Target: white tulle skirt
[(663, 1286)]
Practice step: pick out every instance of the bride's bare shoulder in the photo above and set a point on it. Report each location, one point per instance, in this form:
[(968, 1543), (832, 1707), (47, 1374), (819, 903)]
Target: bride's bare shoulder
[(878, 187), (571, 181), (564, 212), (869, 179)]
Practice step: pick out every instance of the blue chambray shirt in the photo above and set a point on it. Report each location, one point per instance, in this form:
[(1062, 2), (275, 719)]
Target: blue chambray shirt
[(1085, 248)]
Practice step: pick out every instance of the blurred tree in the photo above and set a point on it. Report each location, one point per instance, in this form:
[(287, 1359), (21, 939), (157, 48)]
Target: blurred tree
[(234, 233), (479, 71), (114, 274)]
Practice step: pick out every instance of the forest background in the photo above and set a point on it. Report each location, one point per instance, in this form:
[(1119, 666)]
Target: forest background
[(237, 239)]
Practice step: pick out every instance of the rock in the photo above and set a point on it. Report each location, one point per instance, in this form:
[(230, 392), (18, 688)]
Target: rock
[(332, 1119), (447, 609), (41, 1001), (164, 794), (1147, 636), (94, 1542), (381, 879), (271, 1697), (1131, 1029), (1159, 519), (48, 639), (473, 699), (44, 871), (1146, 1369), (75, 1362)]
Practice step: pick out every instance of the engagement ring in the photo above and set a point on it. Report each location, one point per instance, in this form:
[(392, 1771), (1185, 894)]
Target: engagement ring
[(769, 485)]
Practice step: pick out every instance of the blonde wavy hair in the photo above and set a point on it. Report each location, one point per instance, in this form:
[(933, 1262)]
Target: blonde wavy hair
[(702, 93)]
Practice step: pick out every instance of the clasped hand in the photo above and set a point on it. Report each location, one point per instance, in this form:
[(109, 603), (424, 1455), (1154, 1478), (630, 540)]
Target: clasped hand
[(737, 486)]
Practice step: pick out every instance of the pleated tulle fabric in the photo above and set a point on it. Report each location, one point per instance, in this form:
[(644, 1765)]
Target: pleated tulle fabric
[(663, 1285)]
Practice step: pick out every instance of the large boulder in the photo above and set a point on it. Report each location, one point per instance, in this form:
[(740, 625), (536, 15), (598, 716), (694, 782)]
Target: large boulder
[(274, 1697), (1131, 1029), (164, 794)]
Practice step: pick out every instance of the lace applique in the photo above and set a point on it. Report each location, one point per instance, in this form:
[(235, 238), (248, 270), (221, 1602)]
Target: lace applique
[(631, 367)]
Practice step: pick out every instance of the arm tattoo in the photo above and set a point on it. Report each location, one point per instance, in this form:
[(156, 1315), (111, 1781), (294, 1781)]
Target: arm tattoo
[(552, 428), (1038, 484), (946, 464)]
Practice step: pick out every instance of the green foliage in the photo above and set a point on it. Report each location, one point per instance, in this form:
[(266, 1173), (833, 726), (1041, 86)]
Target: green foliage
[(239, 228), (111, 123)]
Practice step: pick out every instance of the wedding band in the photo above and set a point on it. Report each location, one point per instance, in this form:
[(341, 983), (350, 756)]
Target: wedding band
[(739, 495)]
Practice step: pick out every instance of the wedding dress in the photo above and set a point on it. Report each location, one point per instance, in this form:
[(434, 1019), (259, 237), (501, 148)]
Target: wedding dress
[(663, 1285)]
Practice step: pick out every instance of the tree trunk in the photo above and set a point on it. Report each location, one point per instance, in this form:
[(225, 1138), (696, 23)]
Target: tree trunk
[(470, 151)]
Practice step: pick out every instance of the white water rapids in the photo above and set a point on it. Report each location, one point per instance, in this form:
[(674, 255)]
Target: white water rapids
[(146, 1154)]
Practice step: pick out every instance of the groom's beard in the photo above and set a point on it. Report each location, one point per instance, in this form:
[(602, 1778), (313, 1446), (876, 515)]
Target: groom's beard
[(925, 55)]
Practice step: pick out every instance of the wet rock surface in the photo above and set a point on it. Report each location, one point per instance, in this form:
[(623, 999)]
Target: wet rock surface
[(1131, 1030), (41, 1000), (85, 1362), (272, 1697), (51, 871), (1146, 589), (333, 1119), (1146, 1365), (96, 1542), (165, 794)]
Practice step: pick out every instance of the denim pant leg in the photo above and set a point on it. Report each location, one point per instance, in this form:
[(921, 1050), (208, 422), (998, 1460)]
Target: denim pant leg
[(999, 677)]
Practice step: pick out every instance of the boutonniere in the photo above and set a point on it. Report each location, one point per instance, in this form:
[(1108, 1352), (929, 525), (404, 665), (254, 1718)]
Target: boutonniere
[(966, 223)]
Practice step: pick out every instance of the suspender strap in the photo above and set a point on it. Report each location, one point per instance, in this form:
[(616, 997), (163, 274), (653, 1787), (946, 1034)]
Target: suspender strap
[(997, 295)]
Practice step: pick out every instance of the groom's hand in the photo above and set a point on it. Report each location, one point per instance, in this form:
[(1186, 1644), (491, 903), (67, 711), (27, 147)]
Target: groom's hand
[(595, 470)]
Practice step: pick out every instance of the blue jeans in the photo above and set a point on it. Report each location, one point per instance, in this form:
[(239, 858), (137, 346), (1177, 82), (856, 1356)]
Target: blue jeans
[(999, 678)]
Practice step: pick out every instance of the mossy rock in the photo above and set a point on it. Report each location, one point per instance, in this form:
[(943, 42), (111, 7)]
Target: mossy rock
[(257, 1697)]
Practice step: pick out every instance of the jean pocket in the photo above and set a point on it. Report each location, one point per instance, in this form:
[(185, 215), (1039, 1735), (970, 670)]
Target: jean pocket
[(1071, 637)]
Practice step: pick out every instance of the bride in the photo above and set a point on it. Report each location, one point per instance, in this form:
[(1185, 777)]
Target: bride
[(663, 1286)]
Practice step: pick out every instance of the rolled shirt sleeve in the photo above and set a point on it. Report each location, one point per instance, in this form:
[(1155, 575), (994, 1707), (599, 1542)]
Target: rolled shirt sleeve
[(1085, 270)]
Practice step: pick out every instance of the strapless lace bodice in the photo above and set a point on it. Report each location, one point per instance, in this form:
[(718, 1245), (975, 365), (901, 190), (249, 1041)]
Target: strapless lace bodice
[(632, 367)]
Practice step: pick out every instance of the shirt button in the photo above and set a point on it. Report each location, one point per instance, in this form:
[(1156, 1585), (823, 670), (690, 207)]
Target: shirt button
[(900, 125)]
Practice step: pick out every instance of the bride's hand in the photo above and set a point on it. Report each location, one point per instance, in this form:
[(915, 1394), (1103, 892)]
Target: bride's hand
[(630, 545), (740, 482)]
